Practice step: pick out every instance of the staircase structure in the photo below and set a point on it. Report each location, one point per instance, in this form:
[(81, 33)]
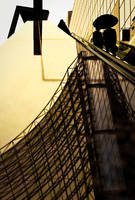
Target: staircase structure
[(79, 147)]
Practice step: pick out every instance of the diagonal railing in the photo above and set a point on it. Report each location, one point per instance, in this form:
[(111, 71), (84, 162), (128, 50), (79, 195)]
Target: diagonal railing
[(125, 69), (111, 90), (79, 146), (50, 159)]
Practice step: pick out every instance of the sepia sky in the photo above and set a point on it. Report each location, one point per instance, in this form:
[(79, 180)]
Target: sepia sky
[(58, 10)]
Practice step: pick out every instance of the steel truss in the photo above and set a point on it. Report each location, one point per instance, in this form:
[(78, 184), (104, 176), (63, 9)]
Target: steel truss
[(75, 148), (112, 109), (51, 161)]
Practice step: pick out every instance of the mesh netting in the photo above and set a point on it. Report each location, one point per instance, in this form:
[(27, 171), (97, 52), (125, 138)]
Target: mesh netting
[(81, 146), (51, 161)]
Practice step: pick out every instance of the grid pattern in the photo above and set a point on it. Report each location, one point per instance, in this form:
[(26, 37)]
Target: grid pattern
[(127, 13), (76, 150), (112, 108), (52, 160), (86, 11), (97, 89)]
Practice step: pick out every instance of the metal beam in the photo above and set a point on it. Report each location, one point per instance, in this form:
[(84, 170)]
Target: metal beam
[(35, 14)]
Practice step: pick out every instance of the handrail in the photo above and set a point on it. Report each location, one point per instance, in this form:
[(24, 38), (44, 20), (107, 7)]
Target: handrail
[(125, 69), (127, 44)]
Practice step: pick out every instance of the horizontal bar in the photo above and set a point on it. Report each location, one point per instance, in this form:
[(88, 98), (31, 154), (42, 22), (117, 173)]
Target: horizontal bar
[(126, 70), (96, 85)]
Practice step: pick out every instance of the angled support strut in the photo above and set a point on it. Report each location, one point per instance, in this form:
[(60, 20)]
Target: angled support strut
[(36, 14)]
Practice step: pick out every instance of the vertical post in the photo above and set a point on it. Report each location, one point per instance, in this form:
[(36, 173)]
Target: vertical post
[(37, 4), (37, 32), (37, 26)]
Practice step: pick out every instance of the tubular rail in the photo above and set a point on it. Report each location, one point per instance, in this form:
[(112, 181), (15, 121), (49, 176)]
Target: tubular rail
[(74, 147), (125, 69)]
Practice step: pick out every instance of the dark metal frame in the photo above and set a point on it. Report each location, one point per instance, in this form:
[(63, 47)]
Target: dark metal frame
[(57, 156), (51, 161), (36, 15)]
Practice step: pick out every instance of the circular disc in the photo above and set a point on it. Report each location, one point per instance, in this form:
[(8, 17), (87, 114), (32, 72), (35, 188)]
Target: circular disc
[(105, 21)]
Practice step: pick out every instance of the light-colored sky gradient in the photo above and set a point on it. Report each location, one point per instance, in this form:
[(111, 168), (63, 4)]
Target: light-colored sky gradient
[(58, 10)]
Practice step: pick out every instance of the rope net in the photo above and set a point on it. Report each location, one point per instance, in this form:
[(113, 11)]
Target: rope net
[(81, 146), (51, 161)]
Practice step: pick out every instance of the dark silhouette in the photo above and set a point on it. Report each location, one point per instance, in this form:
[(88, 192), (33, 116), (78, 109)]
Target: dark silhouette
[(109, 40), (97, 38), (35, 14), (107, 21), (64, 27), (104, 21)]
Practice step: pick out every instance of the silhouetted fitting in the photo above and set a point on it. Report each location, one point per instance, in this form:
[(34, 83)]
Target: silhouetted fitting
[(64, 27), (98, 39), (37, 4), (109, 39), (105, 21), (35, 14)]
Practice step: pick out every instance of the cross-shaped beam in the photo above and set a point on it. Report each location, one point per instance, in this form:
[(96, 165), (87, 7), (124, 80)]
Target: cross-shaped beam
[(36, 14)]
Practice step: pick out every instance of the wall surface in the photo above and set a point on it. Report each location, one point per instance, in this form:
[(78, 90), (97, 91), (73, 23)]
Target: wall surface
[(86, 11), (27, 81)]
